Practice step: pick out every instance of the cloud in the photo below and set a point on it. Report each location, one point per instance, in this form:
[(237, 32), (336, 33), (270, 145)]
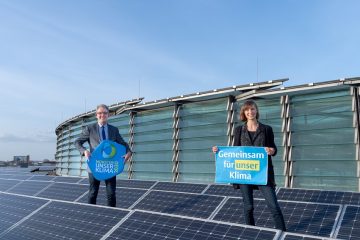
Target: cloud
[(41, 137)]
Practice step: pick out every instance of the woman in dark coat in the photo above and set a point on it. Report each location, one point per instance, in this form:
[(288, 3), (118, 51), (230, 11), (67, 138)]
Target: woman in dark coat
[(254, 133)]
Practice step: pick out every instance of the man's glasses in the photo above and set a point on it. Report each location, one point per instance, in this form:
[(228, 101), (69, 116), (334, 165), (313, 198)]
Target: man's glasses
[(100, 113)]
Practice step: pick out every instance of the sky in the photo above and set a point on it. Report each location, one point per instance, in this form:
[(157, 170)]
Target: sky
[(59, 59)]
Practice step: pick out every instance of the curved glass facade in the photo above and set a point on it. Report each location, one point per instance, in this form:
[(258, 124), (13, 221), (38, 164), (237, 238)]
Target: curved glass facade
[(316, 130)]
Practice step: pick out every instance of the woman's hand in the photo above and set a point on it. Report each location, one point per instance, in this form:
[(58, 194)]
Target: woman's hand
[(270, 151), (215, 149)]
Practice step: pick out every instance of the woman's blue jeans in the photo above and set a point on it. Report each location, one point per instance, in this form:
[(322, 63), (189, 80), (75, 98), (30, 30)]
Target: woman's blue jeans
[(270, 198)]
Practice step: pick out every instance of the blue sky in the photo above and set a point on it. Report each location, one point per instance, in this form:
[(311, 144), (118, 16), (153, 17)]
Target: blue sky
[(60, 58)]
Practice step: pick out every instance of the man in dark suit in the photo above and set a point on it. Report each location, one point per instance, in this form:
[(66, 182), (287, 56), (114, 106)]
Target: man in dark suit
[(93, 134)]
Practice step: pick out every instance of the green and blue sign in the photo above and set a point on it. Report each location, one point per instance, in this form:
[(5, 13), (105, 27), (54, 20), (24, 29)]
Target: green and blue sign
[(107, 160), (244, 165)]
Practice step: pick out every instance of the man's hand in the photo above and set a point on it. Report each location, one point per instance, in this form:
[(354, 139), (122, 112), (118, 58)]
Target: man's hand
[(127, 156), (87, 154)]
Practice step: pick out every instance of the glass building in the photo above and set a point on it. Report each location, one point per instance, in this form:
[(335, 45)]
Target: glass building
[(316, 129)]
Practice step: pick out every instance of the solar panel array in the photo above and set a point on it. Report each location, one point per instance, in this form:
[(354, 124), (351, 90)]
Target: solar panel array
[(29, 187), (66, 221), (307, 218), (144, 225), (53, 207), (14, 208)]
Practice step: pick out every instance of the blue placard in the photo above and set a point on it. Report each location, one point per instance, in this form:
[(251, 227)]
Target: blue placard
[(245, 165), (107, 160)]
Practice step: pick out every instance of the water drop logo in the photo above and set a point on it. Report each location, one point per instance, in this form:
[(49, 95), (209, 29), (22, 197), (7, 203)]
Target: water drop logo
[(107, 160), (109, 151)]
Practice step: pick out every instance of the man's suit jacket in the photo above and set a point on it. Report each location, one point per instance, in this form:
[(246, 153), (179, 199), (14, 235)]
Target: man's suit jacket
[(91, 135)]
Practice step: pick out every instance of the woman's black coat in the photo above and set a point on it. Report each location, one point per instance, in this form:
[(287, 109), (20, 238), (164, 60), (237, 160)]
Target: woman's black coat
[(263, 137)]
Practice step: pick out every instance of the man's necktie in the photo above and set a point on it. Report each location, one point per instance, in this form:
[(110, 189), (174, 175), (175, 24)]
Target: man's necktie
[(103, 133)]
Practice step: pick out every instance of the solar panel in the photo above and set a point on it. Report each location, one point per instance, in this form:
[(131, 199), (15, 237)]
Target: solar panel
[(125, 197), (319, 196), (305, 218), (13, 208), (228, 190), (67, 179), (29, 187), (6, 175), (349, 227), (64, 191), (293, 236), (84, 181), (141, 225), (61, 220), (5, 184), (193, 205), (42, 178), (134, 183), (17, 176), (180, 187), (223, 190)]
